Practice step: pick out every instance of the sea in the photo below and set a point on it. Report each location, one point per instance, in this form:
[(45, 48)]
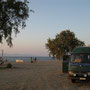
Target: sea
[(27, 59)]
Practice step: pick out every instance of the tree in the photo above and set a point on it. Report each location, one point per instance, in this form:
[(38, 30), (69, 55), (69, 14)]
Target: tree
[(13, 14), (63, 44), (51, 46)]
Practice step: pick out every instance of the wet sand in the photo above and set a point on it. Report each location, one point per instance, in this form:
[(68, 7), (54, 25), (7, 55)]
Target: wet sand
[(43, 75)]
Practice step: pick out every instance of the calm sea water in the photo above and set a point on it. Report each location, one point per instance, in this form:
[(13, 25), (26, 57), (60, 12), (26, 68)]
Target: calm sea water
[(27, 59)]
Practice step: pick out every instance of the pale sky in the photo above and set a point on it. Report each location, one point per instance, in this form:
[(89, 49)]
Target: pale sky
[(50, 18)]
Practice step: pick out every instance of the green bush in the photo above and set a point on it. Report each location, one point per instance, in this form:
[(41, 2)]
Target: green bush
[(9, 65)]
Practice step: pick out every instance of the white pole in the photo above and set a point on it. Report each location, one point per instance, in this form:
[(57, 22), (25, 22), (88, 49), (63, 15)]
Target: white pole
[(2, 53)]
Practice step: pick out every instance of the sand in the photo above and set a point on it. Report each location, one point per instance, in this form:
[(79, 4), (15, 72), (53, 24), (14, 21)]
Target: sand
[(43, 75)]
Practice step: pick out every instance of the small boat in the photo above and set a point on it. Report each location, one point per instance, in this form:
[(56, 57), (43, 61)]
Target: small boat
[(19, 61)]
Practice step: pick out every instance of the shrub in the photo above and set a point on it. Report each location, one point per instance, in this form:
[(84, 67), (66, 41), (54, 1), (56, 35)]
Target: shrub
[(9, 65)]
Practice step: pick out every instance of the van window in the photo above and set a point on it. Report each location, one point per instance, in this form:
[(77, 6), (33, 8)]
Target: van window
[(80, 58), (77, 58)]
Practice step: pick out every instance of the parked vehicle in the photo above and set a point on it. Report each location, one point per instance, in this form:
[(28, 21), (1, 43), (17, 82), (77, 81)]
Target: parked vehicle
[(79, 64)]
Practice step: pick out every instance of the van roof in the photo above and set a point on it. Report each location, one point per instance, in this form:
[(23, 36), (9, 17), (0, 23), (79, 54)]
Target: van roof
[(81, 50)]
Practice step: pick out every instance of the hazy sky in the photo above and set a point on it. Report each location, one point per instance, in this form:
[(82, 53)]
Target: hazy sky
[(50, 18)]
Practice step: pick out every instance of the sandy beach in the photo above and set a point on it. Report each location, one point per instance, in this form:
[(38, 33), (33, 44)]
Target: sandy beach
[(43, 75)]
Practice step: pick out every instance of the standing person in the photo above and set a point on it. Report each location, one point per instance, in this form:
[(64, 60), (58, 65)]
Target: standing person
[(31, 60), (35, 59)]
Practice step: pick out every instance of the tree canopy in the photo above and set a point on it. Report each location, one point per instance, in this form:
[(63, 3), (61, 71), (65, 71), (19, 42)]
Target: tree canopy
[(63, 44), (13, 14)]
